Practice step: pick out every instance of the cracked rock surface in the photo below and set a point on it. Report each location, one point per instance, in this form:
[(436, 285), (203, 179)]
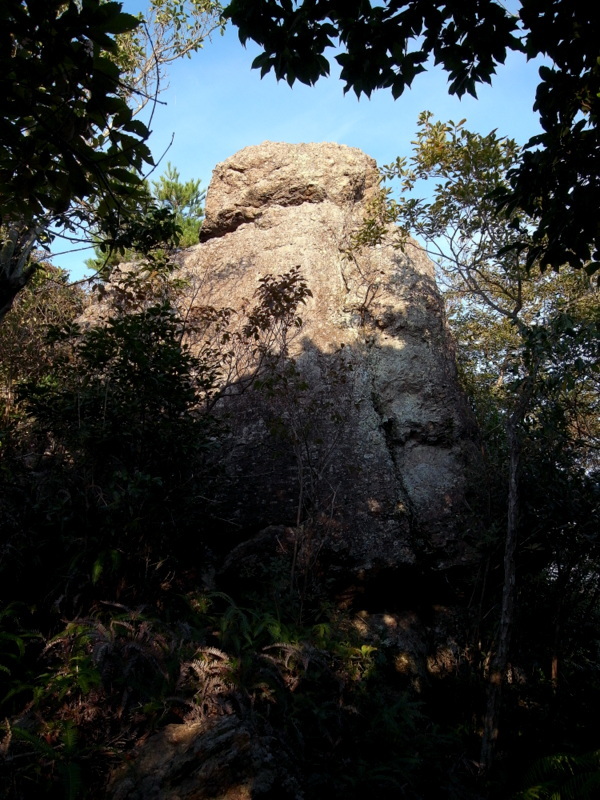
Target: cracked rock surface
[(372, 442)]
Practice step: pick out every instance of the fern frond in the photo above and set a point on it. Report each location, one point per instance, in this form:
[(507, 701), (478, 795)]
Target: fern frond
[(563, 776)]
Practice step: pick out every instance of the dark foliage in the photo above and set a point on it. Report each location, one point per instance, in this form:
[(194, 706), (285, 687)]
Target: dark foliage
[(386, 45), (61, 91)]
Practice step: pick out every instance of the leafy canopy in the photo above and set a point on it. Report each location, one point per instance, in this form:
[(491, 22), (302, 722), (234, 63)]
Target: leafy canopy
[(172, 29), (66, 132), (74, 74), (68, 141), (385, 45)]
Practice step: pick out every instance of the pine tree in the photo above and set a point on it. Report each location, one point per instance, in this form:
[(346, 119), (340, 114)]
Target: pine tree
[(185, 200)]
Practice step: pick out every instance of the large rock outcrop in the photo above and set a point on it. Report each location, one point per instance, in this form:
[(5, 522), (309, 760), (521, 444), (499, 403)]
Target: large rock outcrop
[(221, 758), (347, 459), (366, 440)]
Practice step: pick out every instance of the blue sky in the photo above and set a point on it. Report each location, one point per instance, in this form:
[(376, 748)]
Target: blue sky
[(216, 105)]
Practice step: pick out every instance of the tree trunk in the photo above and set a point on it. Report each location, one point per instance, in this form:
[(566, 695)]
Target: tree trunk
[(16, 265), (500, 659), (556, 646)]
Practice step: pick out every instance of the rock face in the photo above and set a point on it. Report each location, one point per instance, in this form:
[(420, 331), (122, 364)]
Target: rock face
[(364, 442), (348, 449), (223, 758)]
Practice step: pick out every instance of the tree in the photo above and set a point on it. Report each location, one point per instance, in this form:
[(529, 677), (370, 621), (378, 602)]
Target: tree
[(555, 182), (47, 300), (185, 200), (67, 134), (527, 341), (115, 417), (72, 153), (168, 215), (170, 29)]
